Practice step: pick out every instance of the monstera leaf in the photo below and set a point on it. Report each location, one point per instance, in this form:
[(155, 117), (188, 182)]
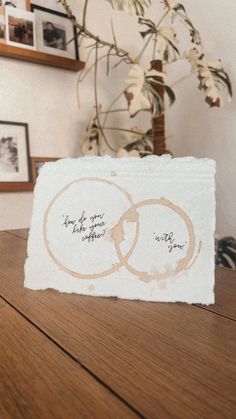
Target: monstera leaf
[(141, 94), (167, 44), (213, 79), (150, 27), (133, 7), (166, 37), (179, 11)]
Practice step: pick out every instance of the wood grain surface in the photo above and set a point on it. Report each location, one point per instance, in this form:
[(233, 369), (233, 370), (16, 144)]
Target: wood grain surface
[(38, 380), (164, 360), (225, 290), (23, 233)]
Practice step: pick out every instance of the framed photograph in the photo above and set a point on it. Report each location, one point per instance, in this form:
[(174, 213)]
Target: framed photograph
[(55, 33), (19, 4), (15, 165), (52, 5), (2, 25), (20, 28), (37, 163)]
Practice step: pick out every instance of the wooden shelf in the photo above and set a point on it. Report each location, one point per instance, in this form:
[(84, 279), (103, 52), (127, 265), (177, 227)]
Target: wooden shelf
[(42, 58), (16, 186)]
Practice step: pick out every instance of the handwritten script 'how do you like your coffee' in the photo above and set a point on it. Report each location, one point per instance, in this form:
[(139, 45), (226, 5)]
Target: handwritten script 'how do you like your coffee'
[(89, 227), (92, 227)]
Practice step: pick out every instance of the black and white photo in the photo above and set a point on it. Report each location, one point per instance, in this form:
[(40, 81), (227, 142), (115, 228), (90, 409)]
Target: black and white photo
[(9, 154), (55, 33), (14, 153)]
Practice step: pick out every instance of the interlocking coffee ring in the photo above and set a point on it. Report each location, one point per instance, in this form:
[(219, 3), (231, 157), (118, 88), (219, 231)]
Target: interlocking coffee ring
[(182, 264), (109, 271), (127, 215)]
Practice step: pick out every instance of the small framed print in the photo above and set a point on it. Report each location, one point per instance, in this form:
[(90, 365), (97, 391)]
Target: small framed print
[(37, 163), (55, 33), (20, 28), (2, 25), (15, 165)]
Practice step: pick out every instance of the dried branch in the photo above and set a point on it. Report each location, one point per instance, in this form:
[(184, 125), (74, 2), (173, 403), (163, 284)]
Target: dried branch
[(120, 52), (124, 130), (139, 56), (115, 110), (84, 74), (96, 101), (113, 34), (154, 47), (84, 13), (121, 61), (182, 79), (110, 107)]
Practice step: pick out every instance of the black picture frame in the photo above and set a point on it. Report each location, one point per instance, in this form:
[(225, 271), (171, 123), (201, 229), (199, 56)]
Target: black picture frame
[(17, 184), (34, 7)]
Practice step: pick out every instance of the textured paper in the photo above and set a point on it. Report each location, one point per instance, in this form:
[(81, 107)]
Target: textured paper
[(132, 228)]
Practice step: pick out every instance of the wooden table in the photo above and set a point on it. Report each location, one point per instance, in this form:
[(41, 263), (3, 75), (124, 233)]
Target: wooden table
[(70, 356)]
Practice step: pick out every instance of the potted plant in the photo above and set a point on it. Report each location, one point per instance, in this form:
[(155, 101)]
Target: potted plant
[(147, 88)]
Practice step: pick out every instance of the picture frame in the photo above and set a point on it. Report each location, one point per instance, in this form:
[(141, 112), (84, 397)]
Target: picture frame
[(15, 164), (19, 4), (2, 25), (37, 163), (55, 34), (20, 28)]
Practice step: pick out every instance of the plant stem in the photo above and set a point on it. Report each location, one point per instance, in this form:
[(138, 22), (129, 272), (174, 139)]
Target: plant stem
[(96, 100), (84, 13), (154, 47), (110, 107), (182, 79), (83, 75), (139, 56), (124, 130), (114, 110), (82, 30)]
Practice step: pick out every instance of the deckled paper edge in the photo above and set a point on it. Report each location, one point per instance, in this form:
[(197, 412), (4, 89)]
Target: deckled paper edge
[(209, 165)]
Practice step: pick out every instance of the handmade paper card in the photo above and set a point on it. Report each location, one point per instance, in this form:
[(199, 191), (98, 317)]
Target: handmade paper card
[(131, 228)]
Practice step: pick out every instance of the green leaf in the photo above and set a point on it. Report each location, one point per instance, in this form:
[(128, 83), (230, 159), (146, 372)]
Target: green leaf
[(170, 94), (167, 44), (157, 102), (180, 7), (150, 25), (194, 33), (148, 22), (133, 7), (174, 47), (166, 55), (223, 77), (145, 33)]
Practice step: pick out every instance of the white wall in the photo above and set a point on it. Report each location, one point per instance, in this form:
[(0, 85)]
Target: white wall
[(46, 99), (197, 130)]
